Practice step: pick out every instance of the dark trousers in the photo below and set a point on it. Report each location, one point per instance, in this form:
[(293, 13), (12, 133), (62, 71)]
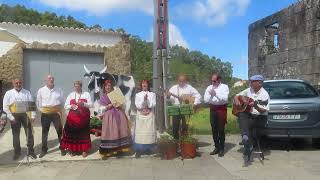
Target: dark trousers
[(176, 123), (248, 122), (46, 120), (218, 121), (21, 119)]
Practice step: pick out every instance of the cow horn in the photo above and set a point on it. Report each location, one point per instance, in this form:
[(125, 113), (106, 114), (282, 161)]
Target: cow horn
[(103, 70), (86, 69)]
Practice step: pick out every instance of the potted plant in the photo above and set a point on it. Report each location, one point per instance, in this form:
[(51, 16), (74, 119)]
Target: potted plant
[(167, 146), (188, 145), (95, 126)]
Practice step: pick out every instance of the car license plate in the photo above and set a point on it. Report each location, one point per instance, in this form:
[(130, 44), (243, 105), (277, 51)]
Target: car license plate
[(286, 116)]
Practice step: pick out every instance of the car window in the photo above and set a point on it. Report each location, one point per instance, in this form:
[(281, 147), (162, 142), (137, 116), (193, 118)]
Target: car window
[(286, 89)]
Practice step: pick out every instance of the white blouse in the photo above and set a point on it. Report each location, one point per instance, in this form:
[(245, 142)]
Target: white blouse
[(151, 100), (77, 96)]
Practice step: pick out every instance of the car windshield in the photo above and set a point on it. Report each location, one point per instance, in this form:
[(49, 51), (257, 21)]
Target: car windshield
[(287, 89)]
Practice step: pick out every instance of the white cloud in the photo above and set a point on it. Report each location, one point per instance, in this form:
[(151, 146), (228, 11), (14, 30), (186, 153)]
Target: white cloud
[(204, 39), (102, 7), (175, 36), (213, 12)]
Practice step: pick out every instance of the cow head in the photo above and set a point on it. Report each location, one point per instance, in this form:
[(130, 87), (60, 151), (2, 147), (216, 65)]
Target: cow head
[(97, 78)]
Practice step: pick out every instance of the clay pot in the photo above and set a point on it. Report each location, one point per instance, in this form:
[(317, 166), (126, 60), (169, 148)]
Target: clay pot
[(168, 151), (188, 150)]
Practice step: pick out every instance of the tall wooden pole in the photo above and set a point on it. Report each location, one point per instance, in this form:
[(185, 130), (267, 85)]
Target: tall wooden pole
[(160, 57)]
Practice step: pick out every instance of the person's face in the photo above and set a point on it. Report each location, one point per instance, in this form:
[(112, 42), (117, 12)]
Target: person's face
[(144, 86), (215, 80), (182, 81), (77, 87), (17, 84), (50, 80), (256, 85), (108, 87)]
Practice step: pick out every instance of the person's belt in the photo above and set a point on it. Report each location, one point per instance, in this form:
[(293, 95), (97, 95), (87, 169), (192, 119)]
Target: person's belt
[(50, 110), (218, 107)]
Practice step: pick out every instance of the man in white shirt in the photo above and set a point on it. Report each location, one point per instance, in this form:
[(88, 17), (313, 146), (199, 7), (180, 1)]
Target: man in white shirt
[(258, 113), (175, 93), (16, 103), (216, 95), (50, 102)]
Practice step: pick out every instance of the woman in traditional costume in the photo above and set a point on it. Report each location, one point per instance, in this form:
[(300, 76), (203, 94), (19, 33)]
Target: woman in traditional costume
[(76, 132), (115, 133), (145, 131)]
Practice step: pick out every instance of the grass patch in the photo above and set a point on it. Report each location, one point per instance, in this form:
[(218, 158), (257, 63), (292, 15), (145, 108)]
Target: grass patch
[(200, 122)]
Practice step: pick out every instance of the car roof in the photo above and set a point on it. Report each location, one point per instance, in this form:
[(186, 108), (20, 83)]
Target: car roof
[(285, 80)]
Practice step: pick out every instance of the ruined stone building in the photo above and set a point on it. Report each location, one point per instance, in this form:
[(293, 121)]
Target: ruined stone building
[(33, 51), (287, 43)]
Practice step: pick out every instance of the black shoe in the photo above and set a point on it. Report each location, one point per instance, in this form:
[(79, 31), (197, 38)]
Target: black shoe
[(16, 156), (240, 143), (63, 152), (215, 151), (138, 155), (43, 153), (221, 153), (32, 155)]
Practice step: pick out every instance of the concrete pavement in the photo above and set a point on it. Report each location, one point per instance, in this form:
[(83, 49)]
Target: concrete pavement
[(279, 164)]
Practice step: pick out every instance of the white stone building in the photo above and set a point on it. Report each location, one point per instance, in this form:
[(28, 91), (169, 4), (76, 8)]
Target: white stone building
[(41, 50)]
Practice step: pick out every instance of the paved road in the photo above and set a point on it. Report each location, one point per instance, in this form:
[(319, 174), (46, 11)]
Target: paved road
[(301, 163)]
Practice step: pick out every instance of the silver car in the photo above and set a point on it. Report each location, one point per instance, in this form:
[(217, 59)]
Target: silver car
[(294, 110)]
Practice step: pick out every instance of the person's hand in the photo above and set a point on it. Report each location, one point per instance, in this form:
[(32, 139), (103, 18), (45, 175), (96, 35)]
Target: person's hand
[(168, 93), (146, 111), (236, 101), (251, 103), (213, 92), (13, 121), (74, 107), (2, 122), (109, 106)]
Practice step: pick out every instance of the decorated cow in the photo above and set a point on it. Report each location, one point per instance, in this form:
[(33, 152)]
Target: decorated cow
[(125, 83)]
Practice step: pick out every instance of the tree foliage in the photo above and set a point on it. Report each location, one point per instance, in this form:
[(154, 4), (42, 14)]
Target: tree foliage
[(195, 64)]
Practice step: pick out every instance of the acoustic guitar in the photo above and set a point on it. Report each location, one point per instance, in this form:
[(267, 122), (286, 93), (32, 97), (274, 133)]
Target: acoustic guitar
[(244, 105)]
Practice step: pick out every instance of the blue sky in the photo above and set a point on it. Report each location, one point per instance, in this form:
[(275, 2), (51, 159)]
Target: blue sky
[(216, 27)]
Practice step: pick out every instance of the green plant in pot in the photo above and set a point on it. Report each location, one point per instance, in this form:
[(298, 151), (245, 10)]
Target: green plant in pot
[(188, 144), (95, 126), (167, 146)]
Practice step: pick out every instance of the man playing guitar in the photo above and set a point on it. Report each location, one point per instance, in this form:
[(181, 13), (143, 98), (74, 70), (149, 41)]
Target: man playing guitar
[(175, 94), (256, 114)]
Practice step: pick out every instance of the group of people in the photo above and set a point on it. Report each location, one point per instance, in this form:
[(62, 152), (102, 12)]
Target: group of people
[(216, 96), (116, 138)]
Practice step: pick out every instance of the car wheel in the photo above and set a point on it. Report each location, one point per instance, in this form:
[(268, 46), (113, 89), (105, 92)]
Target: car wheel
[(316, 142)]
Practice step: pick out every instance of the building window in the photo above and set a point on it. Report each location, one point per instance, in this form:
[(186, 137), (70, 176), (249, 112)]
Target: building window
[(276, 41), (272, 37)]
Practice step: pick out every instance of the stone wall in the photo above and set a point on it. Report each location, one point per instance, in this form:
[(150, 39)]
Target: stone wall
[(296, 53), (117, 58)]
